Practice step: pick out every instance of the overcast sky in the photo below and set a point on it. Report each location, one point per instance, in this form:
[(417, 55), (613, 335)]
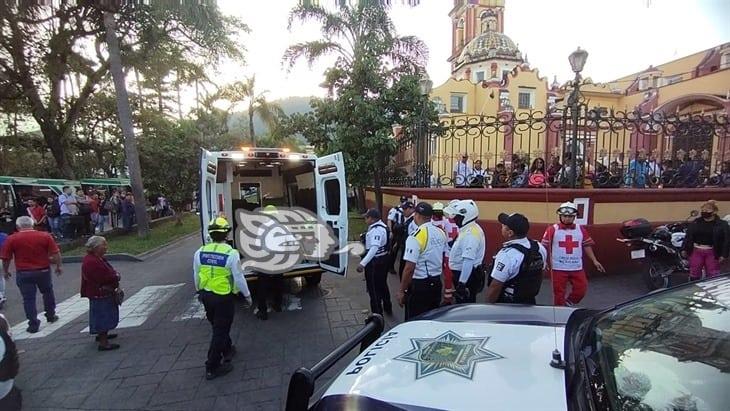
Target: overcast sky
[(621, 36)]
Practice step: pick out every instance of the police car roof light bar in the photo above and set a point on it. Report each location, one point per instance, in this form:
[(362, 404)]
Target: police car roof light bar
[(301, 384)]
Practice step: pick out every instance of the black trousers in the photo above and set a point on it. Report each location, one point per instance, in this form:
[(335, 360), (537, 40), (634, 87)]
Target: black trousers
[(423, 295), (397, 248), (376, 281), (270, 287), (471, 284), (219, 310)]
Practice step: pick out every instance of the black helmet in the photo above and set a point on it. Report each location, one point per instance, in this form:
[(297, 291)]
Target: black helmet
[(662, 233)]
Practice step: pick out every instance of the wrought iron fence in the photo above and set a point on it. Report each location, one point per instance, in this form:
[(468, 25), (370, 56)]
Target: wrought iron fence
[(578, 148)]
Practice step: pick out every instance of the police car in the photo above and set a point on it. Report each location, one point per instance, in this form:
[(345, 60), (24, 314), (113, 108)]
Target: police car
[(251, 178), (668, 350)]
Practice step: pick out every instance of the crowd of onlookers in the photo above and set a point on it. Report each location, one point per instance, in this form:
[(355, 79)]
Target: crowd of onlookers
[(644, 171), (73, 214)]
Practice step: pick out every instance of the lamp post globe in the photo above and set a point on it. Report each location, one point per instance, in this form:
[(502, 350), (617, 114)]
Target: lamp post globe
[(578, 59), (425, 84)]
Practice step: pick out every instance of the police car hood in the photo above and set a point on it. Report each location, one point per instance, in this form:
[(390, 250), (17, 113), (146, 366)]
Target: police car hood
[(441, 365)]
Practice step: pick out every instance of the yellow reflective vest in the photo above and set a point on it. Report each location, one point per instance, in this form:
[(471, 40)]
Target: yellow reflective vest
[(213, 275)]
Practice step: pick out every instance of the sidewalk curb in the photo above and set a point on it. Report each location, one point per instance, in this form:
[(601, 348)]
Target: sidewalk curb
[(131, 257)]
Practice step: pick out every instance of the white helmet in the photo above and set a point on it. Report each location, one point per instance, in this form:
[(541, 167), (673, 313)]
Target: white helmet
[(467, 209), (568, 208)]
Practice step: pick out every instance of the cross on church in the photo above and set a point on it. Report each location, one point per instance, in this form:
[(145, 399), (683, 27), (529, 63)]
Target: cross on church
[(568, 244)]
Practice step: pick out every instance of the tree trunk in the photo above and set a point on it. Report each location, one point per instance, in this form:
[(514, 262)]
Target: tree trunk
[(54, 141), (361, 204), (125, 122), (250, 126), (377, 184)]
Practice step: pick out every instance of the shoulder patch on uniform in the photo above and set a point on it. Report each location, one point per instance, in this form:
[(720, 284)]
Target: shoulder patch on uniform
[(500, 266)]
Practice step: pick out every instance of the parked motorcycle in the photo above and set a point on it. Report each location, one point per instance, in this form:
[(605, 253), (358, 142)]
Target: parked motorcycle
[(661, 247)]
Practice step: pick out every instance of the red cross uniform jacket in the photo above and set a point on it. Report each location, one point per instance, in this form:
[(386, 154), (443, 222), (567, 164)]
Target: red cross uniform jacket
[(565, 246)]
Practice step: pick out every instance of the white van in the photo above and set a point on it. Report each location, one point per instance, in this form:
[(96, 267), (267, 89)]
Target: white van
[(257, 177)]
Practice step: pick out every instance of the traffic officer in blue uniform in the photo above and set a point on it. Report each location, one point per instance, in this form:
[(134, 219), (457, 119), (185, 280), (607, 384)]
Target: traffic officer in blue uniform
[(218, 277), (420, 289), (375, 263)]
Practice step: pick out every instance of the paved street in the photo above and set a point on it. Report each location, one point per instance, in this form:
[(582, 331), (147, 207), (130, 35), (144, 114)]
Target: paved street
[(164, 340)]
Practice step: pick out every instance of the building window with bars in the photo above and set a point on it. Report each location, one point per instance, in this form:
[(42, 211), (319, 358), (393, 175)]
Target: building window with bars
[(458, 103), (525, 99)]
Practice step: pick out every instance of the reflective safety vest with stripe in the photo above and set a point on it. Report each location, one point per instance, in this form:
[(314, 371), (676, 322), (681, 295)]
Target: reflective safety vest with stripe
[(213, 275)]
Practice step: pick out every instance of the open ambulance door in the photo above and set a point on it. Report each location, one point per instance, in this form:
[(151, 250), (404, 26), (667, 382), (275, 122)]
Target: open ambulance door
[(207, 193), (331, 188)]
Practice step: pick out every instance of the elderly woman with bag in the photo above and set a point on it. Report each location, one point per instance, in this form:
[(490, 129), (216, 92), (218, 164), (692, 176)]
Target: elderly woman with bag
[(100, 284)]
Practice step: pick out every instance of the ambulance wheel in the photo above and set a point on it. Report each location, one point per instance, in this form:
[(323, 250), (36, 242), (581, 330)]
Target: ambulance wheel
[(313, 280)]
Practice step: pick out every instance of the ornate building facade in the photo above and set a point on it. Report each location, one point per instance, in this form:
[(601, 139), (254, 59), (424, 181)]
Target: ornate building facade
[(493, 90)]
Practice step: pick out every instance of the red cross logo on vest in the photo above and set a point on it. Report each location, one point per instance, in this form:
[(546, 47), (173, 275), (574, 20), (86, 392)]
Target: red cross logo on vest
[(568, 244)]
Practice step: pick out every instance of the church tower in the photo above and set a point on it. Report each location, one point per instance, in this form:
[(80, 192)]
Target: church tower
[(480, 49)]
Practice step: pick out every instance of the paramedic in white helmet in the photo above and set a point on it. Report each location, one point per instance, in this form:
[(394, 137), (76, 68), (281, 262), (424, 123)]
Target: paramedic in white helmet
[(467, 253), (566, 242)]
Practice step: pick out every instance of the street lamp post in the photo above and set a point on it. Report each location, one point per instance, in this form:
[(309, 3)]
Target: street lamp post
[(577, 61), (422, 176)]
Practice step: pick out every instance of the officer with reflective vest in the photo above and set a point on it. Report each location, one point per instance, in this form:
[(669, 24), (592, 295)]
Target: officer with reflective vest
[(420, 287), (467, 253), (269, 286), (217, 277), (375, 263), (566, 242), (518, 266)]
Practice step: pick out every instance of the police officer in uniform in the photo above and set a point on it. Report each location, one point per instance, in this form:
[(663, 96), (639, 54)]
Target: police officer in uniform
[(518, 266), (395, 220), (217, 276), (375, 263), (420, 288), (402, 231), (467, 253)]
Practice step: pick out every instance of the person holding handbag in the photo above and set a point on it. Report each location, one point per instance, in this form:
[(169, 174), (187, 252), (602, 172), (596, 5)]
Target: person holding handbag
[(100, 284)]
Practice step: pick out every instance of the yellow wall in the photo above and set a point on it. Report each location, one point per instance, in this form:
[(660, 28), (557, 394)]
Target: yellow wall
[(608, 213)]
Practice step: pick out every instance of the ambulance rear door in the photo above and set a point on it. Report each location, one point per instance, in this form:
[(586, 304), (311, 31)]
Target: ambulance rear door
[(330, 186), (207, 193)]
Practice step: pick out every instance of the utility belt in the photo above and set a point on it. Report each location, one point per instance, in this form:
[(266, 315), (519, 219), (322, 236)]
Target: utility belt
[(421, 284)]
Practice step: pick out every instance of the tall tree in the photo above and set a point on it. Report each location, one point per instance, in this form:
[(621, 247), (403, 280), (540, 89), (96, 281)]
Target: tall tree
[(125, 122), (43, 48), (372, 85), (245, 92)]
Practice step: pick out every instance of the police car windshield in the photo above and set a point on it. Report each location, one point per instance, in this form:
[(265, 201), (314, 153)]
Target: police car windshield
[(665, 351)]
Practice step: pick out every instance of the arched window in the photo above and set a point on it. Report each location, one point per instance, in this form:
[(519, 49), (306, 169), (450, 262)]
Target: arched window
[(488, 21), (460, 33)]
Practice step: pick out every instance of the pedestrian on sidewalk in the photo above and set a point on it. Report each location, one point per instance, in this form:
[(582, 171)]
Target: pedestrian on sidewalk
[(69, 209), (53, 212), (33, 252), (38, 213), (375, 263), (104, 207), (566, 242), (128, 212), (217, 277), (100, 284), (707, 242)]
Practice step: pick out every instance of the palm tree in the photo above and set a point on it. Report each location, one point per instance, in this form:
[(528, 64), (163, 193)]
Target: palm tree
[(125, 122), (354, 32), (245, 92)]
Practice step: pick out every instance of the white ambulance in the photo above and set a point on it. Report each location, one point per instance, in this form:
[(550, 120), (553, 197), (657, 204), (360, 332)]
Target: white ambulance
[(256, 177)]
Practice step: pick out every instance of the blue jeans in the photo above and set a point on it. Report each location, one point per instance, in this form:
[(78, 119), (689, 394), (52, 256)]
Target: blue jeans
[(55, 224), (27, 282)]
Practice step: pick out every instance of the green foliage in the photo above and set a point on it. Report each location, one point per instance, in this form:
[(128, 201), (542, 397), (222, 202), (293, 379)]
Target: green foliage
[(170, 157), (53, 61), (159, 236), (373, 85)]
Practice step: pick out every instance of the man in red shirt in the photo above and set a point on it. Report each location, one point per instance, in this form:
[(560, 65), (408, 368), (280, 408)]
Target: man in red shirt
[(37, 213), (33, 252)]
